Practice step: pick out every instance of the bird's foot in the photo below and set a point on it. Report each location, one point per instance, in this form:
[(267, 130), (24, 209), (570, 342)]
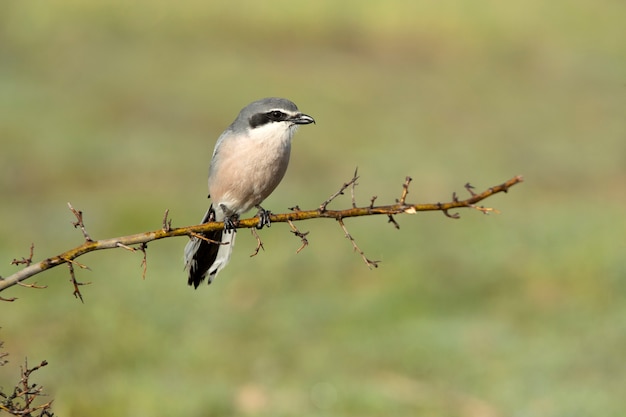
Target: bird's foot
[(230, 222), (264, 217)]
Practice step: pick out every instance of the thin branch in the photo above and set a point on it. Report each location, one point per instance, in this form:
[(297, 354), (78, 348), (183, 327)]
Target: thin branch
[(338, 193), (259, 243), (299, 234), (21, 402), (393, 221), (294, 215), (79, 222), (405, 189), (144, 262), (167, 224), (370, 264), (76, 292), (352, 189), (25, 261)]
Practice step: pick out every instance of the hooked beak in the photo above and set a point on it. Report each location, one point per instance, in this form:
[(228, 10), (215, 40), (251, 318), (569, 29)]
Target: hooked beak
[(302, 119)]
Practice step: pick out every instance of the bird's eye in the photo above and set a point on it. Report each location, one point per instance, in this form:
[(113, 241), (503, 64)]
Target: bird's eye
[(276, 115)]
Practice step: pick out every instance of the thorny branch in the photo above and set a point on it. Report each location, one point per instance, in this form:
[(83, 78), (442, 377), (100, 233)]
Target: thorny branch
[(21, 402), (296, 214)]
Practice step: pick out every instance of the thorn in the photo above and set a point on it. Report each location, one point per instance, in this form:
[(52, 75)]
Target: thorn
[(372, 201), (33, 285), (76, 292), (470, 189), (26, 261), (259, 243), (322, 207), (354, 184), (144, 262), (167, 224), (369, 263), (79, 222), (206, 239), (392, 220), (299, 234), (447, 214), (405, 189), (128, 248)]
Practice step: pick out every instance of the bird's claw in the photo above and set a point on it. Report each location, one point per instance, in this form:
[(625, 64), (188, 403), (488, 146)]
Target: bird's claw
[(264, 218)]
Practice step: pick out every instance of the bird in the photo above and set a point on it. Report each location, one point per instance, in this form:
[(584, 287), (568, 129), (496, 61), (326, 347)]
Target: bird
[(249, 160)]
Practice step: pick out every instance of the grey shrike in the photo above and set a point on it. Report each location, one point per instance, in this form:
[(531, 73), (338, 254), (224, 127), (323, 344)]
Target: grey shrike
[(249, 160)]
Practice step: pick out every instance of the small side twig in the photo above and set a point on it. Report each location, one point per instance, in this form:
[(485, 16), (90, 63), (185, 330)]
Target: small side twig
[(33, 285), (301, 235), (370, 264), (393, 221), (25, 261), (75, 283), (128, 248), (144, 262), (206, 239), (323, 206), (405, 190), (470, 189), (259, 243), (79, 222), (446, 213), (167, 223), (354, 184)]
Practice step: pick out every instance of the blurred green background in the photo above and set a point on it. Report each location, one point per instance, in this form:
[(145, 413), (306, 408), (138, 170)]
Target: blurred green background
[(115, 107)]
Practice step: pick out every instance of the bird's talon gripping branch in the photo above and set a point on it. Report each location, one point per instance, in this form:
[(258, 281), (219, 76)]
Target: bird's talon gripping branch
[(264, 217), (230, 223)]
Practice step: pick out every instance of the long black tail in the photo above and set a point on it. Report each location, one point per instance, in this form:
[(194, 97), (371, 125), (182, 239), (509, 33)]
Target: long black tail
[(201, 254)]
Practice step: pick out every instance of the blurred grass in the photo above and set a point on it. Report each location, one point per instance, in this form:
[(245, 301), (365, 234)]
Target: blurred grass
[(115, 107)]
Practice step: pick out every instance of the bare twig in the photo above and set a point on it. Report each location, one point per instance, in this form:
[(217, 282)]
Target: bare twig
[(206, 239), (144, 262), (79, 222), (167, 224), (323, 206), (354, 184), (370, 264), (128, 248), (405, 189), (259, 243), (21, 402), (299, 234), (393, 221), (75, 283), (470, 189), (294, 215), (33, 285), (76, 292), (25, 261)]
